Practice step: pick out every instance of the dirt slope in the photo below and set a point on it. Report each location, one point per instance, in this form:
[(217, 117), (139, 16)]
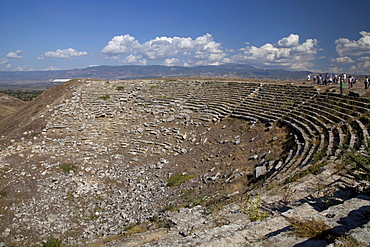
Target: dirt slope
[(17, 122), (9, 105)]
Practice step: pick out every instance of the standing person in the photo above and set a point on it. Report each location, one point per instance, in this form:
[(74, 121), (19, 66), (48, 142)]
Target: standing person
[(326, 80), (336, 78), (308, 77), (366, 82), (341, 84), (330, 79), (350, 81), (314, 79), (319, 79)]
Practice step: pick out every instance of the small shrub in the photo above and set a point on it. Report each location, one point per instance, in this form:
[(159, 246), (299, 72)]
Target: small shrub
[(309, 229), (319, 156), (288, 194), (231, 120), (347, 241), (154, 218), (169, 207), (35, 134), (3, 193), (178, 179), (134, 228), (93, 217), (52, 242), (104, 97), (66, 168), (326, 194), (194, 202), (120, 88), (357, 163), (187, 193), (253, 208), (165, 224)]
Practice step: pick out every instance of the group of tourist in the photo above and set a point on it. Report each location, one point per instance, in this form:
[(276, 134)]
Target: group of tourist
[(340, 79)]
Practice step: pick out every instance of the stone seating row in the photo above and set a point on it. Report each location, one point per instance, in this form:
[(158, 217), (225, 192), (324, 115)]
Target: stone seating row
[(337, 129), (363, 102), (326, 137), (218, 101), (263, 107), (327, 126), (316, 140), (345, 115), (275, 90), (328, 113), (319, 122), (319, 126), (342, 105)]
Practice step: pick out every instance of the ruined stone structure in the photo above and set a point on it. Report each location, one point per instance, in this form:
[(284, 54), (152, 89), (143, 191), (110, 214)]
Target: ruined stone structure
[(102, 161)]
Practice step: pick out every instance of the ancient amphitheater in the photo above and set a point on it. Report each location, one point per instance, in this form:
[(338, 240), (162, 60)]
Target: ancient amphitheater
[(92, 164)]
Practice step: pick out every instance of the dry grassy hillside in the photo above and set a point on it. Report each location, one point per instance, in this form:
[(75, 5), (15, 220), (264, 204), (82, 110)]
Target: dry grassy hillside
[(9, 105), (26, 117)]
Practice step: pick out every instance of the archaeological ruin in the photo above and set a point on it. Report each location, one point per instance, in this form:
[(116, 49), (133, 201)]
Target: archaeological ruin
[(173, 162)]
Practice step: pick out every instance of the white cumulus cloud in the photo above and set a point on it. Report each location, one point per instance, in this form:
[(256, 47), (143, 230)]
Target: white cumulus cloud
[(354, 47), (349, 51), (23, 68), (343, 59), (50, 68), (4, 61), (131, 59), (123, 44), (5, 65), (171, 62), (63, 54), (17, 54), (363, 59), (287, 53), (170, 50), (291, 41), (361, 68)]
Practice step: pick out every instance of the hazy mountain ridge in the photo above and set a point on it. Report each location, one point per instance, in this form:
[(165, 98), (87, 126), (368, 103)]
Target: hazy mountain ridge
[(106, 72)]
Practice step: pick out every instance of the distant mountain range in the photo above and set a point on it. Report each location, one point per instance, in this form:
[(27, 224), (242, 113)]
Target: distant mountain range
[(9, 78)]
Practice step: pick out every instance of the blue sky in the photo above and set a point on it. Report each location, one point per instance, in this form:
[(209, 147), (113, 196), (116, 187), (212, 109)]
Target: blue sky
[(315, 35)]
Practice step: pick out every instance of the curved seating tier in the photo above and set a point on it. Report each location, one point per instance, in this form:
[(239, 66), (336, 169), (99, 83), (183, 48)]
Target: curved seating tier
[(320, 122)]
